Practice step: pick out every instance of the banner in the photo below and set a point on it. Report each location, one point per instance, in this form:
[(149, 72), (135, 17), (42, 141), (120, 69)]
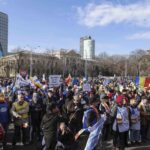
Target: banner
[(21, 82), (54, 80)]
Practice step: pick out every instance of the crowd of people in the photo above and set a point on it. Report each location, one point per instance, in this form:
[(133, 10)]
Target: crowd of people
[(64, 117)]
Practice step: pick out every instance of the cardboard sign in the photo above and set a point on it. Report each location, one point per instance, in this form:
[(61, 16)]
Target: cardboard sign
[(54, 80)]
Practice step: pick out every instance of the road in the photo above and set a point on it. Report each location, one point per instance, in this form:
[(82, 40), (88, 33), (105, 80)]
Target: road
[(35, 146), (108, 146)]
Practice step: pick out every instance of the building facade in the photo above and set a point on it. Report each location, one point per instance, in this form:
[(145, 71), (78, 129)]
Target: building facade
[(72, 62), (11, 65), (3, 34), (87, 47), (62, 62)]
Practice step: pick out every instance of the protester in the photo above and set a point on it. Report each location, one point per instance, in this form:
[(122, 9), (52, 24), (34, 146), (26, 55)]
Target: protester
[(120, 125), (65, 136), (4, 116), (91, 115), (20, 110), (71, 117), (2, 134), (36, 111), (105, 109), (49, 125), (75, 114), (135, 136), (144, 118)]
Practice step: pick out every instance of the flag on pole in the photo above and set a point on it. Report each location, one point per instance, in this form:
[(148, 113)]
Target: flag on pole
[(36, 82), (95, 132), (21, 82), (141, 82), (137, 79), (68, 79), (147, 84)]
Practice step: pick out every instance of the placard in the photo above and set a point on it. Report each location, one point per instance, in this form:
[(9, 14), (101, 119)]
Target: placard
[(54, 80)]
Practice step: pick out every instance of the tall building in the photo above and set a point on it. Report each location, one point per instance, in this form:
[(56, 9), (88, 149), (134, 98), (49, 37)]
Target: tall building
[(87, 47), (3, 34)]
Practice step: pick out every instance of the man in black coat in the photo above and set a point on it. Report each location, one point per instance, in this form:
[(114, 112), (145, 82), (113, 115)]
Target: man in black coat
[(49, 126), (36, 109)]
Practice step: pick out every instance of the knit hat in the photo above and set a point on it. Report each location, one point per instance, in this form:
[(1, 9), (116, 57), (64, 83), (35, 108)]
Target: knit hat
[(119, 99)]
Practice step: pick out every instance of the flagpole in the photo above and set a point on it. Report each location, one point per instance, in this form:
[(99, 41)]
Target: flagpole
[(31, 62), (64, 66), (85, 65)]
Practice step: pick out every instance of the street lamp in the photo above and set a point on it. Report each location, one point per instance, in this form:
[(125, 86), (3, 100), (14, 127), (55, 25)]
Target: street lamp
[(31, 63), (64, 66), (85, 71)]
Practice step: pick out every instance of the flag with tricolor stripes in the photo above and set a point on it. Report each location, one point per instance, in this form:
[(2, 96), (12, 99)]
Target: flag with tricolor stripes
[(142, 82), (147, 83)]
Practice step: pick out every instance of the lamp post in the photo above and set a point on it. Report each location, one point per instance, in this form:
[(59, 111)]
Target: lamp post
[(86, 68), (64, 66), (31, 63), (85, 71), (126, 68)]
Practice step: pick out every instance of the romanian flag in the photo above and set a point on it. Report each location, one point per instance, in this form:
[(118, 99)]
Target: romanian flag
[(142, 82), (147, 83)]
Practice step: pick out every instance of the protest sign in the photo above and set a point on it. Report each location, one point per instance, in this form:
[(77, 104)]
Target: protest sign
[(54, 80)]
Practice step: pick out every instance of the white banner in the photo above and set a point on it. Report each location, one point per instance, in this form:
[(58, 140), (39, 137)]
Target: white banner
[(21, 82), (54, 80), (87, 87)]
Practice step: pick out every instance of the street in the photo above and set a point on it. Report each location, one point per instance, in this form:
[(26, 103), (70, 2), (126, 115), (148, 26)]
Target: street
[(36, 146)]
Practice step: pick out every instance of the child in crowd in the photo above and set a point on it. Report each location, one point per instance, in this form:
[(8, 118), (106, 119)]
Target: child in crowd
[(135, 125)]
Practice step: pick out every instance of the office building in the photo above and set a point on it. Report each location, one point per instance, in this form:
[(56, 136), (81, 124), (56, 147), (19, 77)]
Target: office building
[(87, 47), (3, 34)]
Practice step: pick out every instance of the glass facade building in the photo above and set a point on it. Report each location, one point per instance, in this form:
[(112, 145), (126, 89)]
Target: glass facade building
[(87, 47), (3, 34)]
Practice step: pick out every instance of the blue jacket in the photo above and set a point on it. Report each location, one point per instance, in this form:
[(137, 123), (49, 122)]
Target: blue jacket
[(4, 116)]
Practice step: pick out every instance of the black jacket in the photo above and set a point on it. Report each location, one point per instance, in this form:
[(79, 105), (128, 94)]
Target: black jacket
[(49, 124)]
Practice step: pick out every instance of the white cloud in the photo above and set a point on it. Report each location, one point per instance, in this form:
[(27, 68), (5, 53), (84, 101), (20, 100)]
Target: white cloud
[(106, 13), (140, 36)]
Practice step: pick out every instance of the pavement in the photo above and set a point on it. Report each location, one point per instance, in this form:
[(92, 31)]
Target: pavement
[(36, 145), (146, 146)]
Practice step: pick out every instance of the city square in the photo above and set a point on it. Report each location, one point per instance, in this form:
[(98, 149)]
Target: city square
[(74, 75)]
